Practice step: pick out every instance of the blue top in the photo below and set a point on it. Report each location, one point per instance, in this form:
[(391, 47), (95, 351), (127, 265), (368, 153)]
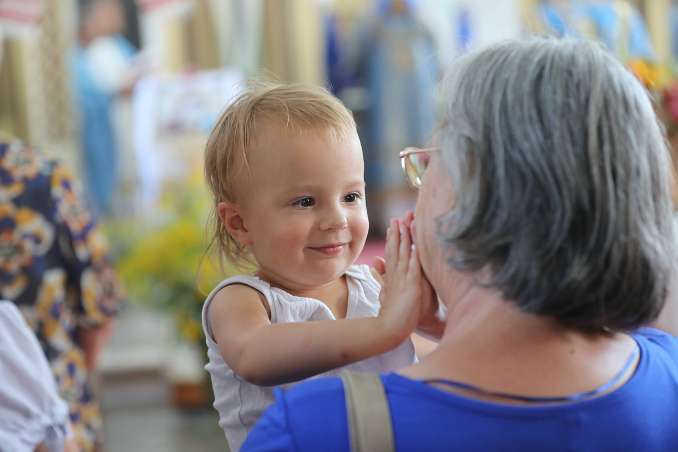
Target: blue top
[(640, 415)]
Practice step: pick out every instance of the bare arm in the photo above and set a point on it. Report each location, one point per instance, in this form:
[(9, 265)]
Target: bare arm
[(269, 354), (92, 341)]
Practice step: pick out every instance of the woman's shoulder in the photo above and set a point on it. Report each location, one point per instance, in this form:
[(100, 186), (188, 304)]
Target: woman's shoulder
[(299, 416), (656, 340), (315, 396)]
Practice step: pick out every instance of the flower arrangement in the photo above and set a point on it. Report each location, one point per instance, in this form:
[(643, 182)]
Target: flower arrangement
[(166, 264), (662, 84), (651, 75)]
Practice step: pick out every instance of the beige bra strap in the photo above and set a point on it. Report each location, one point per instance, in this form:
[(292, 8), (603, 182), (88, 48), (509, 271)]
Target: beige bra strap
[(369, 421)]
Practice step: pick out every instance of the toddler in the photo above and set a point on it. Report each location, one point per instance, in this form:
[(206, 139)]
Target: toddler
[(285, 167)]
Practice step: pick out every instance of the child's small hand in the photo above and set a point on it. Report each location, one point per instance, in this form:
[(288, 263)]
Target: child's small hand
[(401, 293), (428, 320), (378, 269)]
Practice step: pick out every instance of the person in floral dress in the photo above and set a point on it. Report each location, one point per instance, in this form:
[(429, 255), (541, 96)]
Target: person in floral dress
[(54, 267)]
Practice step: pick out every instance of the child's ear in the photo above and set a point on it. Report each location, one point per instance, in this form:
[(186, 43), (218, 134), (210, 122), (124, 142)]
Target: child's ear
[(229, 214)]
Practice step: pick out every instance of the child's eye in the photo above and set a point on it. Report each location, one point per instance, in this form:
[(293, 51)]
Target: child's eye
[(352, 197), (304, 202)]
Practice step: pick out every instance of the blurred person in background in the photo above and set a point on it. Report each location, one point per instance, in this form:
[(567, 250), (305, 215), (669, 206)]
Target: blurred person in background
[(32, 414), (398, 65), (54, 267), (104, 67)]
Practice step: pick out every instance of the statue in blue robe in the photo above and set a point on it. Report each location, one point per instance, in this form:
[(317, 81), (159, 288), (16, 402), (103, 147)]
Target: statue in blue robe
[(399, 70), (616, 23)]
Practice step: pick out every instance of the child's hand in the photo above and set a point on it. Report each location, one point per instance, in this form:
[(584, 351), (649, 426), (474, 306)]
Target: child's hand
[(401, 293), (429, 299), (378, 269), (428, 320)]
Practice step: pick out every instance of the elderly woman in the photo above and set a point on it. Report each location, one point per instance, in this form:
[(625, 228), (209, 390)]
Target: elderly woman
[(543, 224)]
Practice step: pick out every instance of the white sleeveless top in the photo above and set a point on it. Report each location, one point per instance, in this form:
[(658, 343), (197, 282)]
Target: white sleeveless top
[(239, 403)]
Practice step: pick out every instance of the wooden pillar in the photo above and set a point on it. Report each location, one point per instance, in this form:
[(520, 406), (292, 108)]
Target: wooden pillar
[(529, 18), (203, 41), (35, 80), (308, 42), (657, 16), (293, 41), (13, 96)]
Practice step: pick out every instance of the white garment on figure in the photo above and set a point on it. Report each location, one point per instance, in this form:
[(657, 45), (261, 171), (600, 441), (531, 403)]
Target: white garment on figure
[(31, 411), (239, 403)]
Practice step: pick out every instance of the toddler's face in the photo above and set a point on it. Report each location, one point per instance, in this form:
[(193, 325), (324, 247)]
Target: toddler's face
[(305, 208)]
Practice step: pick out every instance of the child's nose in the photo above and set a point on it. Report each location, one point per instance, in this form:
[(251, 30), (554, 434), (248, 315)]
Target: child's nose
[(334, 218)]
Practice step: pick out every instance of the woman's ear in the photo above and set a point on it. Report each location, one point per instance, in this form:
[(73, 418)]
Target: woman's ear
[(231, 218)]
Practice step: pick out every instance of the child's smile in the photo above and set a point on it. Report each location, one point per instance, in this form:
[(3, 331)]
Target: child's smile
[(330, 250)]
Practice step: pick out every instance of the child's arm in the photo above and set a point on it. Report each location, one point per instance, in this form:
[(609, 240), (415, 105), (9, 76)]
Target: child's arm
[(270, 354)]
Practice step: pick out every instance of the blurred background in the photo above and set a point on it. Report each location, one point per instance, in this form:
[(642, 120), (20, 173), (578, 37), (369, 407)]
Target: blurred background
[(126, 91)]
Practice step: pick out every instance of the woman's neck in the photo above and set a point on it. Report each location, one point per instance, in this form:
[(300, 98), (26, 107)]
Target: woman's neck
[(490, 343)]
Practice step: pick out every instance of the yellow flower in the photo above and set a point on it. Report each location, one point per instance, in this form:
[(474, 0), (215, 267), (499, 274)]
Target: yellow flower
[(166, 265), (192, 330), (652, 76)]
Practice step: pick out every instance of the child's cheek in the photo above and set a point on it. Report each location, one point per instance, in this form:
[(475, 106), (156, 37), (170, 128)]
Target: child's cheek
[(360, 226), (293, 240)]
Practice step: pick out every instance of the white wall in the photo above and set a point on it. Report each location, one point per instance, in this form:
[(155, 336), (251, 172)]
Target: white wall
[(490, 20)]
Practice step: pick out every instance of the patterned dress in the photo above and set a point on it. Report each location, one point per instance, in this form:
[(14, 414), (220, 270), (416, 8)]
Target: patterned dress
[(53, 266)]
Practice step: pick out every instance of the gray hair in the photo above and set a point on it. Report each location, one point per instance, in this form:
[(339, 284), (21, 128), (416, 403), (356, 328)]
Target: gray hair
[(561, 177)]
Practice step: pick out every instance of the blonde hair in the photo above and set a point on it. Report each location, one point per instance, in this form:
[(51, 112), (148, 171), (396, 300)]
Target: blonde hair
[(294, 106)]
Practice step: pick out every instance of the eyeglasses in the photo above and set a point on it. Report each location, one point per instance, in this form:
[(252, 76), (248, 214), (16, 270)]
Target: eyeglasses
[(414, 162)]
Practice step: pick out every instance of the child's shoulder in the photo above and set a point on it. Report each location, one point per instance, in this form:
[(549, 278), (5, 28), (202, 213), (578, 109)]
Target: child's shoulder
[(248, 286), (245, 281), (237, 293)]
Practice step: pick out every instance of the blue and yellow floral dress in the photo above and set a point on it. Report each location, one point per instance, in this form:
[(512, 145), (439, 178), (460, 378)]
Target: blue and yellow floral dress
[(53, 266)]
